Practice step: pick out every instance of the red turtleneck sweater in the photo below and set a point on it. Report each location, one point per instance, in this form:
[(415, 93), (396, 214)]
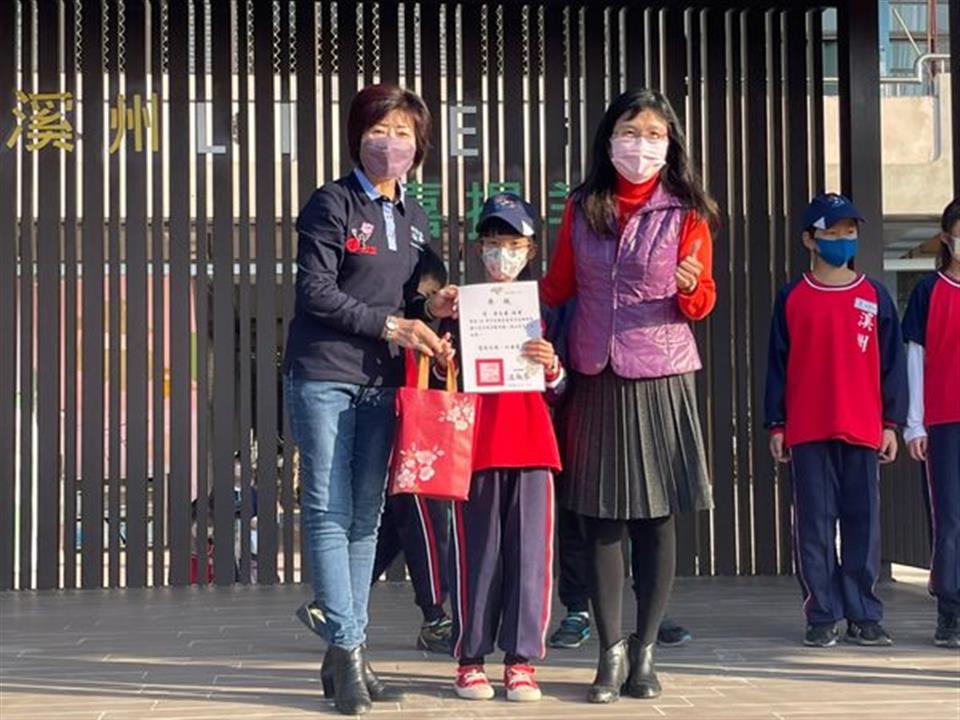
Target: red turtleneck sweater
[(560, 282)]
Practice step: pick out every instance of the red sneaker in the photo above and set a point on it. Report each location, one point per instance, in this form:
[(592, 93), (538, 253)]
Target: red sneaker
[(472, 683), (520, 683)]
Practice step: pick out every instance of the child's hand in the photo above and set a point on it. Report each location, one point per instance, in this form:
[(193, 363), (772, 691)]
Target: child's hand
[(888, 447), (689, 270), (542, 352), (445, 303), (918, 449), (446, 353), (778, 450)]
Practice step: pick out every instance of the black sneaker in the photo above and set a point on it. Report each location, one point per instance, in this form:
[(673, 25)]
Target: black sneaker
[(869, 633), (436, 636), (672, 635), (948, 631), (573, 632), (821, 635), (311, 615)]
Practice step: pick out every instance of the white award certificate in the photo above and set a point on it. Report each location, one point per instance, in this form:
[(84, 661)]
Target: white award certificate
[(496, 319)]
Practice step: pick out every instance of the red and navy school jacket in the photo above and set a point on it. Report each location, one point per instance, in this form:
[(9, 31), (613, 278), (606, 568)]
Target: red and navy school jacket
[(932, 321), (836, 367)]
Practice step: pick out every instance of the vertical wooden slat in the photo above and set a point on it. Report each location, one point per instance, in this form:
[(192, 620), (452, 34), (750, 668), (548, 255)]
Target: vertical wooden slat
[(203, 287), (818, 167), (93, 291), (114, 480), (702, 330), (48, 308), (307, 98), (8, 300), (740, 297), (472, 165), (635, 28), (534, 190), (328, 59), (158, 275), (860, 170), (652, 38), (136, 316), (761, 291), (575, 116), (430, 91), (781, 244), (182, 297), (26, 307), (389, 42), (614, 66), (266, 302), (306, 139), (346, 77), (555, 122), (955, 93), (675, 61), (244, 20), (223, 315), (287, 292), (721, 328), (70, 303), (514, 139), (675, 71), (795, 130), (594, 75), (491, 127), (456, 233)]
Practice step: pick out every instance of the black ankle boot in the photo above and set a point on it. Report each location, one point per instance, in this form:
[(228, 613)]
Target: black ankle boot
[(611, 673), (345, 679), (378, 691), (642, 682)]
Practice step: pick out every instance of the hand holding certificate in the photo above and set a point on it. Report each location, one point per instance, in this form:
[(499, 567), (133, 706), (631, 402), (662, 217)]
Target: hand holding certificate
[(496, 319)]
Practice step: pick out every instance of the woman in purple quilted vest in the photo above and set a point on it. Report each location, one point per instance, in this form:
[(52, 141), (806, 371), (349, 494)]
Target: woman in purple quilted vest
[(635, 251)]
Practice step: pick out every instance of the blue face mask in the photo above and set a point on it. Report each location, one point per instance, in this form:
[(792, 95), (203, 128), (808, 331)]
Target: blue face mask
[(838, 252)]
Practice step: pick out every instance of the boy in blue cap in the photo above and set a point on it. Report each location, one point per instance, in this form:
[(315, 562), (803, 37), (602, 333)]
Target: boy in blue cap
[(836, 393)]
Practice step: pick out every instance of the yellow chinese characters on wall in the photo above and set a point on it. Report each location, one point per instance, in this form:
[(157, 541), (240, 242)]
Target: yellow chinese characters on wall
[(42, 120)]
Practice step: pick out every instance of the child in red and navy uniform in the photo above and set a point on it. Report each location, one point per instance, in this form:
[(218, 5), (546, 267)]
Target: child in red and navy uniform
[(836, 392), (502, 538), (931, 327)]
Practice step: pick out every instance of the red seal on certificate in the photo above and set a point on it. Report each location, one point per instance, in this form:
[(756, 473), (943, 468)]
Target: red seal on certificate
[(489, 373)]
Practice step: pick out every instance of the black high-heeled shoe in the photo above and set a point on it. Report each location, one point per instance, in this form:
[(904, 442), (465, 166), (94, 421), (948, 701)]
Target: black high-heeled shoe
[(642, 681), (612, 672), (378, 691), (346, 680)]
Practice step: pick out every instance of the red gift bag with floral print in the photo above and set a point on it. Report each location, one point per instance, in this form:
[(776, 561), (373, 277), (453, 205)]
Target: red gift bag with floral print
[(433, 451)]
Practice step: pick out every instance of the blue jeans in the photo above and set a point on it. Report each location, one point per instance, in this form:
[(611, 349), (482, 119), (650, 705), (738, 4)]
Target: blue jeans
[(345, 435)]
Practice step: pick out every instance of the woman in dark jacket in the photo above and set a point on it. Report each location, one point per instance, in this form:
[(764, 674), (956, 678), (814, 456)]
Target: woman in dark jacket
[(361, 240)]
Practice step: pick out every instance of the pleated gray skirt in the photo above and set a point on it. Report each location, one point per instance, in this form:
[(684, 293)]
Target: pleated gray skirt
[(632, 449)]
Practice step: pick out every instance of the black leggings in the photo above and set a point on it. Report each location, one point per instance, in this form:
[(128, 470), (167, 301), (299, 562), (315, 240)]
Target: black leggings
[(655, 542)]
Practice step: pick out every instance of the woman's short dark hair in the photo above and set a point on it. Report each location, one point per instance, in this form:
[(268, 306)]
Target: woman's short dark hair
[(679, 178), (950, 217), (374, 103)]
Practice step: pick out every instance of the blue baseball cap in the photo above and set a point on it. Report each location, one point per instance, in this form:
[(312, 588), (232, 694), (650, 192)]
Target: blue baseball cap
[(513, 210), (828, 209)]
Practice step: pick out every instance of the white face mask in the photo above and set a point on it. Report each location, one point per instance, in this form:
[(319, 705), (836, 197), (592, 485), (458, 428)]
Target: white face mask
[(503, 263)]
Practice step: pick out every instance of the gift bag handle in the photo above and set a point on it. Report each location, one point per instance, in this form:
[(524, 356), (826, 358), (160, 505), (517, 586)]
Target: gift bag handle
[(422, 377)]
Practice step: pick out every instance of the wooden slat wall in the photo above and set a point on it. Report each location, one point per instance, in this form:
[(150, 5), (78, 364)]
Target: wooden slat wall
[(222, 280)]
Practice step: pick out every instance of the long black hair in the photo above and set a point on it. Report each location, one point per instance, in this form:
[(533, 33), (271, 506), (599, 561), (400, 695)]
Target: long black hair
[(596, 193), (951, 214)]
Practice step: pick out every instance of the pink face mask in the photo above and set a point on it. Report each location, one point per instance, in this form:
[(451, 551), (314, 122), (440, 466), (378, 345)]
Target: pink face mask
[(387, 158), (638, 159)]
